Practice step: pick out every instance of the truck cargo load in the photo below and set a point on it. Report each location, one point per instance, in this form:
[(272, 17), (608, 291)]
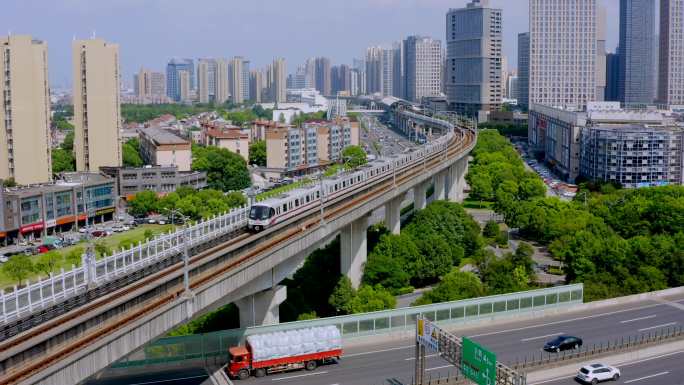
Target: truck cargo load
[(283, 351)]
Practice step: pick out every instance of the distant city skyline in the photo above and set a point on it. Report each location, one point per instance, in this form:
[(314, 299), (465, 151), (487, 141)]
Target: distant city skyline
[(152, 32)]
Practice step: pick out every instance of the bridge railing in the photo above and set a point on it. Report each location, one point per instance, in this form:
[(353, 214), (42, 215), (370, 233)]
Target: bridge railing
[(215, 345), (59, 287)]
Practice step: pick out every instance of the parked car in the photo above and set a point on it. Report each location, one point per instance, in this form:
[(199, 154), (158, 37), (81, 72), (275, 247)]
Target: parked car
[(563, 342), (595, 373), (139, 221), (151, 221), (118, 229), (82, 230), (3, 258), (98, 233), (42, 249), (162, 222)]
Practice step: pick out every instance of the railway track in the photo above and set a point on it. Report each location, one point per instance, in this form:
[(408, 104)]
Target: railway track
[(15, 374)]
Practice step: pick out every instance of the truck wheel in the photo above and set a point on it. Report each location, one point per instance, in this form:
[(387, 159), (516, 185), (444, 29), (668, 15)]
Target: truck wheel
[(260, 372), (310, 365), (243, 374)]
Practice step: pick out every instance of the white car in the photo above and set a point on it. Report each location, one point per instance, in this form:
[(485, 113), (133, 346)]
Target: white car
[(595, 373), (3, 258)]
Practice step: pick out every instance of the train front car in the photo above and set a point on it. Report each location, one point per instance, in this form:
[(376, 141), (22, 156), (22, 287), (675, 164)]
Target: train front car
[(260, 217)]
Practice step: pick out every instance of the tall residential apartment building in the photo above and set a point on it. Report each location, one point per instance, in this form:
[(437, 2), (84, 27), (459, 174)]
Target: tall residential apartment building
[(423, 68), (524, 69), (601, 33), (322, 76), (374, 70), (184, 86), (149, 85), (636, 50), (562, 52), (671, 57), (97, 115), (206, 80), (340, 79), (276, 81), (257, 85), (222, 75), (473, 65), (25, 111), (399, 71), (173, 85)]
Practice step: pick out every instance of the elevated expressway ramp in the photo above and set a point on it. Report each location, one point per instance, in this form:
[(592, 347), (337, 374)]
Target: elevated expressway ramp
[(73, 346)]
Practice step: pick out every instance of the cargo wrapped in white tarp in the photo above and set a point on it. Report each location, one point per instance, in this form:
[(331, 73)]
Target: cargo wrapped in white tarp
[(270, 346)]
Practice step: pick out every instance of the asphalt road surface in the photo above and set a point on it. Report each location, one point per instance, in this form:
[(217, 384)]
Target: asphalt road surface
[(392, 361), (667, 369)]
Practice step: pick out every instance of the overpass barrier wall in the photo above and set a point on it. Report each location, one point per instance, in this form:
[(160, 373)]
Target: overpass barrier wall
[(60, 287), (215, 345)]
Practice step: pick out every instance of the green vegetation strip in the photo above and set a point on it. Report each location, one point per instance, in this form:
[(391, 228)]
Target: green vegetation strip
[(283, 189)]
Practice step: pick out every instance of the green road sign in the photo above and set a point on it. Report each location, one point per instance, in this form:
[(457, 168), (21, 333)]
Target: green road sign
[(478, 363)]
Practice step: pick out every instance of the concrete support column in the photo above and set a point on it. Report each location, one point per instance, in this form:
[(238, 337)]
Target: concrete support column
[(261, 308), (457, 173), (393, 214), (440, 185), (419, 199), (353, 245)]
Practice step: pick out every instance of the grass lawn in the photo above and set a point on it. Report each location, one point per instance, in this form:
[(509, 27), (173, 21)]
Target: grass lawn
[(471, 204), (71, 255)]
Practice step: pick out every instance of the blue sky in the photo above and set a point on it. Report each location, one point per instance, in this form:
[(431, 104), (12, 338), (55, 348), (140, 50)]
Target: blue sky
[(151, 31)]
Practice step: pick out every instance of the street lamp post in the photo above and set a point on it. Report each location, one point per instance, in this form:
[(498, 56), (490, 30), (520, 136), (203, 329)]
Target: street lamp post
[(322, 192)]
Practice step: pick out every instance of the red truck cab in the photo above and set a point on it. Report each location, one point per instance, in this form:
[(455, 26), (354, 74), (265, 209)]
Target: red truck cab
[(240, 362)]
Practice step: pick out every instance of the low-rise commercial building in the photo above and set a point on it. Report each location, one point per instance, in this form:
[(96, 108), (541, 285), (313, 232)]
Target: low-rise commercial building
[(159, 147), (37, 210), (604, 142), (160, 179)]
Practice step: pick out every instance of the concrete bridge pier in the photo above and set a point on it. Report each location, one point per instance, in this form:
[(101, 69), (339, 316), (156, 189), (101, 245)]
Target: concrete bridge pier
[(440, 185), (419, 198), (353, 249), (262, 308), (393, 214), (457, 173)]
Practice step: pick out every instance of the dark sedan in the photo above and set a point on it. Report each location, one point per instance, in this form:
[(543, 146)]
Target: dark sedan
[(563, 343)]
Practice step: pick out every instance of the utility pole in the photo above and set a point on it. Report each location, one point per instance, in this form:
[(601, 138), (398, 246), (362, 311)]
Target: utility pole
[(322, 192)]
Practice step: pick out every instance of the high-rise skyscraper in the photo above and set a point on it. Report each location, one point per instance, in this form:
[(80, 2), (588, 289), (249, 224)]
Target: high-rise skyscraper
[(524, 69), (322, 77), (423, 67), (256, 85), (474, 58), (671, 63), (207, 80), (222, 81), (235, 80), (172, 80), (636, 49), (277, 81), (97, 116), (340, 78), (25, 110), (601, 21), (612, 77), (399, 71), (562, 52), (184, 86), (374, 74)]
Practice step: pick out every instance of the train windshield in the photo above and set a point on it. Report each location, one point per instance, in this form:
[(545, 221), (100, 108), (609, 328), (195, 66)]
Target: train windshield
[(259, 212)]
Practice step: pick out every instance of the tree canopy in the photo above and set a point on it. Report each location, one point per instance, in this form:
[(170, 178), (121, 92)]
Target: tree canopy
[(354, 156), (131, 153), (226, 171), (257, 153), (193, 204)]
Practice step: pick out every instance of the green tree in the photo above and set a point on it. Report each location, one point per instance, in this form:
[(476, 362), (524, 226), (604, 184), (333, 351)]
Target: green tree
[(342, 296), (62, 161), (18, 268), (369, 298), (148, 234), (453, 286), (102, 249), (131, 153), (307, 316), (143, 203), (257, 153), (68, 144), (73, 257), (48, 262), (387, 262), (226, 171), (491, 229), (354, 156)]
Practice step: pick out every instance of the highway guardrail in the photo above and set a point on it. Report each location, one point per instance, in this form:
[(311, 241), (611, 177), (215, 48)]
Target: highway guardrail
[(215, 345)]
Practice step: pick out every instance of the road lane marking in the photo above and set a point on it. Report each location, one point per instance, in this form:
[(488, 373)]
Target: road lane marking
[(440, 367), (631, 363), (638, 319), (647, 377), (379, 351), (170, 380), (427, 356), (540, 337), (567, 320), (298, 376), (658, 326)]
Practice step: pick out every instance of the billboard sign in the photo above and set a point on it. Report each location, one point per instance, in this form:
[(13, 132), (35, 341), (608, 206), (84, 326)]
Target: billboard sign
[(428, 334)]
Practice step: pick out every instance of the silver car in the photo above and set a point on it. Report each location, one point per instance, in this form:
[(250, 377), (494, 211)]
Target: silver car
[(595, 373)]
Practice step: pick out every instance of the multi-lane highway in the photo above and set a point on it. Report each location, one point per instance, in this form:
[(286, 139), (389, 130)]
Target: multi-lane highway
[(377, 362)]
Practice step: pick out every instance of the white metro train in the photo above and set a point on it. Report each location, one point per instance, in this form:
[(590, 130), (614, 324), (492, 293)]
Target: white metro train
[(272, 211)]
